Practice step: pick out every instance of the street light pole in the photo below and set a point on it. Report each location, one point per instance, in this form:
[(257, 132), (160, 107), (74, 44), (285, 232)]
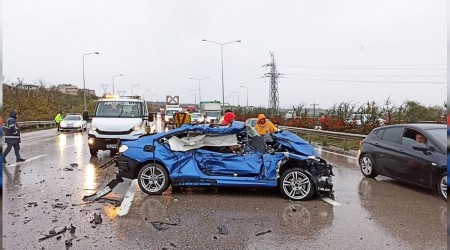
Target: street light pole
[(199, 95), (143, 93), (132, 88), (247, 93), (221, 57), (238, 96), (113, 82), (84, 81)]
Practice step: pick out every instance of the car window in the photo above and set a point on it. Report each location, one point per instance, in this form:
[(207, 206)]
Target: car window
[(392, 134)]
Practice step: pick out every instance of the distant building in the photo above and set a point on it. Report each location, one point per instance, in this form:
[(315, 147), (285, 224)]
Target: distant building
[(87, 91), (27, 86), (67, 89)]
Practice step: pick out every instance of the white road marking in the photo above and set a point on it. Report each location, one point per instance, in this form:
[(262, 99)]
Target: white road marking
[(332, 202), (28, 160), (351, 157), (129, 196)]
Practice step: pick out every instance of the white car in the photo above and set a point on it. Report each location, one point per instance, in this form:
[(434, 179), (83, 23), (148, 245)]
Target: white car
[(197, 118), (290, 115), (73, 122), (360, 119)]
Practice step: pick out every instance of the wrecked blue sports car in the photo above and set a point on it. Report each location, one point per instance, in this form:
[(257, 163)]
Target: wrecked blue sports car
[(225, 156)]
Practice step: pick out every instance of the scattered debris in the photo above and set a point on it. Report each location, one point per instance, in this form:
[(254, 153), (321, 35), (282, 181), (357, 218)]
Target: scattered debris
[(162, 225), (32, 204), (27, 220), (262, 233), (69, 242), (53, 233), (67, 169), (67, 195), (60, 205), (59, 237), (106, 190), (74, 165), (223, 229), (97, 219), (114, 202), (173, 244), (72, 229)]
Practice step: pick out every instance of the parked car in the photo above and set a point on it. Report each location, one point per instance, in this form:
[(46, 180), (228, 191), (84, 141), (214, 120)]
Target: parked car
[(252, 122), (360, 119), (224, 156), (73, 122), (290, 115), (393, 151)]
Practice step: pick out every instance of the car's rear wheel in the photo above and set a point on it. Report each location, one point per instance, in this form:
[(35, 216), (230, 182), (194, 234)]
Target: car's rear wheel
[(367, 166), (296, 185), (153, 179), (443, 186), (93, 151)]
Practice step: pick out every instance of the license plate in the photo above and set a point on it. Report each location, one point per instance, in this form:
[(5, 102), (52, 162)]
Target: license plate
[(111, 146)]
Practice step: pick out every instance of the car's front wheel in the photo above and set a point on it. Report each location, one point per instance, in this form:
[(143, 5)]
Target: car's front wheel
[(153, 179), (296, 185), (93, 151), (443, 186), (367, 166)]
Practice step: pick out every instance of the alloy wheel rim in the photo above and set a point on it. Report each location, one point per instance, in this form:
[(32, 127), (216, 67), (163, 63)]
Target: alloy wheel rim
[(366, 165), (296, 185), (152, 179), (444, 186)]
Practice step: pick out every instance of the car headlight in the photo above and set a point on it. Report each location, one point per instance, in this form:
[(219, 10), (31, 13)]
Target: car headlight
[(93, 127), (123, 148), (137, 127), (77, 124)]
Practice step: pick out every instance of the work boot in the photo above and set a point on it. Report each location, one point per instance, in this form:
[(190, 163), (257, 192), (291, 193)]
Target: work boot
[(20, 159)]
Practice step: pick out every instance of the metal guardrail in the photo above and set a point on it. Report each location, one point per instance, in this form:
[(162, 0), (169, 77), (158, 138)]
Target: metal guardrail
[(36, 124), (306, 134)]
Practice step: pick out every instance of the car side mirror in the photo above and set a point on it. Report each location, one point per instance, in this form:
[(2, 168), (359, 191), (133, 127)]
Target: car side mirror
[(420, 147)]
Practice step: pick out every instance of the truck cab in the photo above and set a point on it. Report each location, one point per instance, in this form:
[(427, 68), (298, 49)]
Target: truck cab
[(118, 118)]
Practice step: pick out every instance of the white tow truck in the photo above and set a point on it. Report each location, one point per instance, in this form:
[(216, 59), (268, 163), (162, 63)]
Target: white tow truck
[(117, 118)]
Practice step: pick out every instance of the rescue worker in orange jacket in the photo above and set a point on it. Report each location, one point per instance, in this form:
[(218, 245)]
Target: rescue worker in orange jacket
[(263, 126)]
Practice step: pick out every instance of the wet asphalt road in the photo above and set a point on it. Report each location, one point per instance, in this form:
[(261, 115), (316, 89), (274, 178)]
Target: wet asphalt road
[(45, 193)]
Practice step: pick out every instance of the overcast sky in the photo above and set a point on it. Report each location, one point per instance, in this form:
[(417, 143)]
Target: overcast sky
[(326, 51)]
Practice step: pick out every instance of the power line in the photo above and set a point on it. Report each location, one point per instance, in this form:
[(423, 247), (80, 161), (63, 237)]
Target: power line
[(360, 67), (335, 80)]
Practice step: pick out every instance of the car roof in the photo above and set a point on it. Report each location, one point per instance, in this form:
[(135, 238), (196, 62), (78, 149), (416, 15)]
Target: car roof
[(424, 126)]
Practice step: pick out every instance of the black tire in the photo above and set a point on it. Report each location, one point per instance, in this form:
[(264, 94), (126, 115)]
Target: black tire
[(296, 184), (153, 179), (93, 151), (113, 152), (367, 166), (442, 186)]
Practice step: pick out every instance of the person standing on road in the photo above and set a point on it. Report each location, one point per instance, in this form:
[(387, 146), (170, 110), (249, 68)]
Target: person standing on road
[(58, 119), (228, 118), (12, 137), (263, 126)]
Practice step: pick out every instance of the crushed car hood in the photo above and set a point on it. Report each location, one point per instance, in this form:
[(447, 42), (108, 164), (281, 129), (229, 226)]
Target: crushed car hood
[(294, 143)]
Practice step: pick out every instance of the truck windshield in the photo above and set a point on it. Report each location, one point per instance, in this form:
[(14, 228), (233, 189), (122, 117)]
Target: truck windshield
[(212, 113), (171, 112), (118, 109)]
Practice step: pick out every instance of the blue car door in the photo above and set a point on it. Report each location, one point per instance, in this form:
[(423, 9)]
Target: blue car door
[(229, 164)]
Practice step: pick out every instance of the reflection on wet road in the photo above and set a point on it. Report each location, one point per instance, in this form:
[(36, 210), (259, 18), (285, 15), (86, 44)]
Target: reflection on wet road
[(45, 193)]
